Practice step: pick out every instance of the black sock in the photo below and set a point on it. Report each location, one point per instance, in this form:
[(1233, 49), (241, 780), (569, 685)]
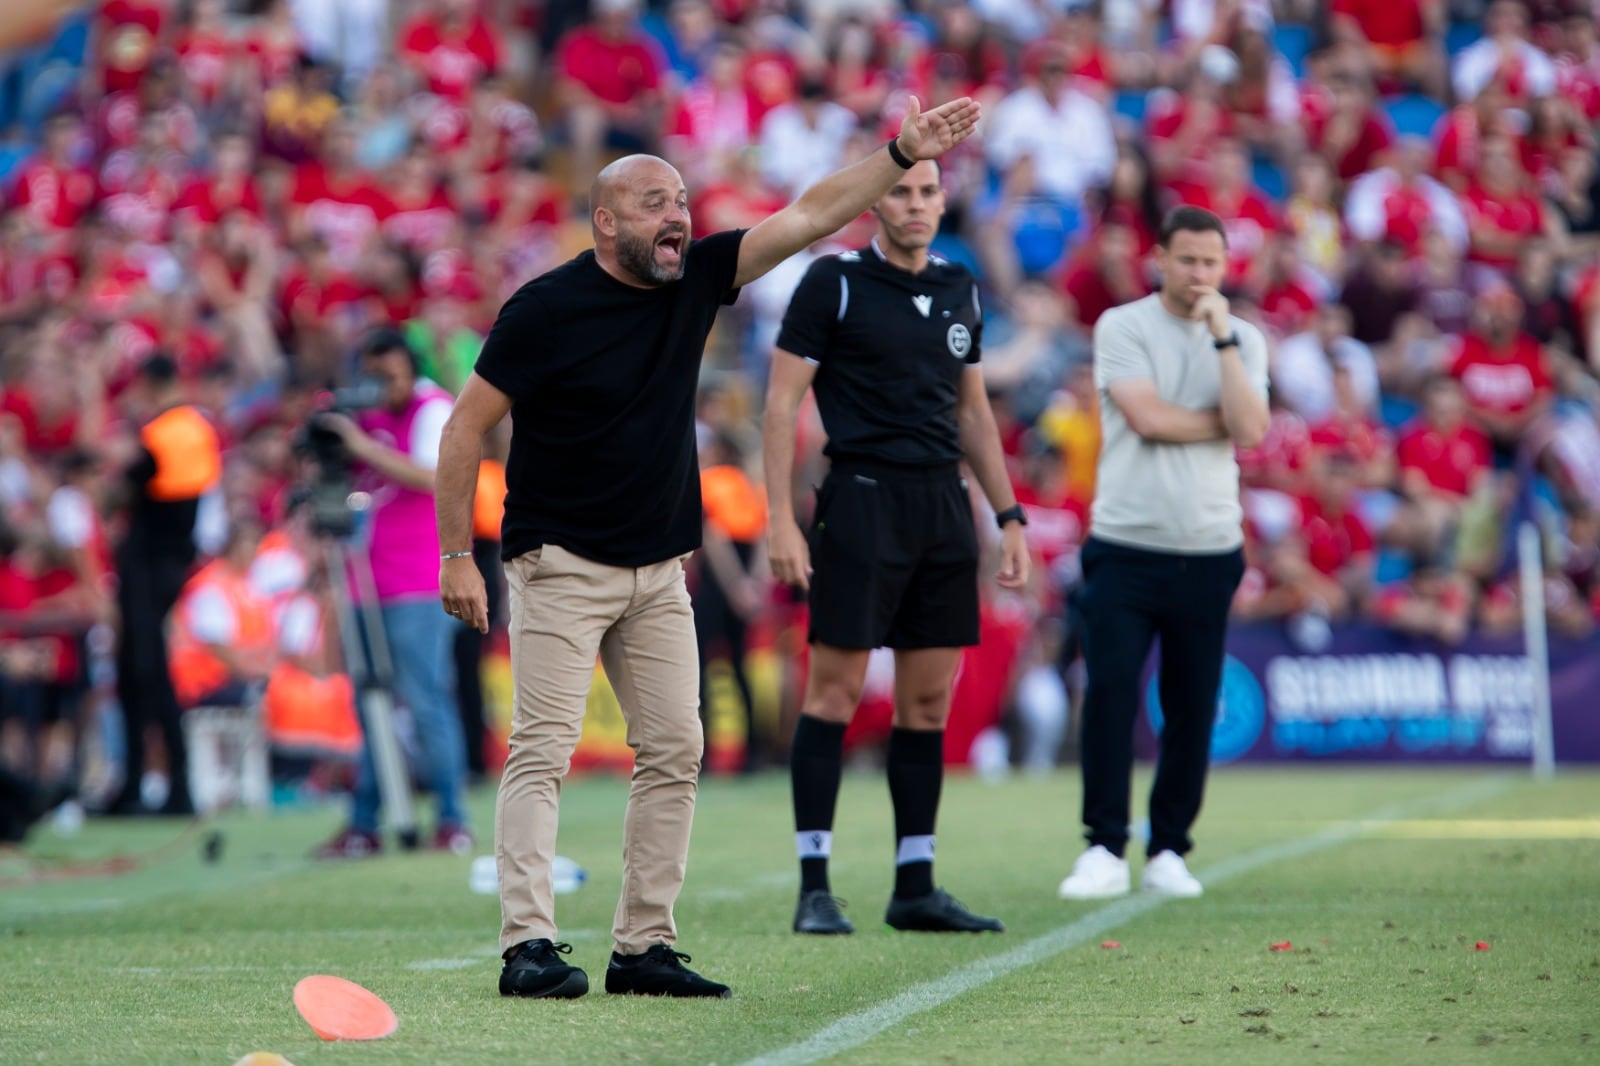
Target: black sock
[(815, 763), (916, 773)]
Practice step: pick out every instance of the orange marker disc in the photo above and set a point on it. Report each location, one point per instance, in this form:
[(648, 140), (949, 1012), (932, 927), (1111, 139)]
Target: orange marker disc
[(337, 1009)]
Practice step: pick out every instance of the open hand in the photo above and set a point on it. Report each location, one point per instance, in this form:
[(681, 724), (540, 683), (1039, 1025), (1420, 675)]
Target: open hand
[(930, 134)]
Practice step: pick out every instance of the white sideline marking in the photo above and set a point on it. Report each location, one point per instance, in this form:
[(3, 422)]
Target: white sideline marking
[(776, 879), (856, 1029)]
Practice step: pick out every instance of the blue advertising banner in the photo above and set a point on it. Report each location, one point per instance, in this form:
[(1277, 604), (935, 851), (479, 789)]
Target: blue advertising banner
[(1371, 694)]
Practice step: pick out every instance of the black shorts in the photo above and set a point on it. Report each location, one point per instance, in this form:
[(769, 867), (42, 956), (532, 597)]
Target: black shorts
[(894, 556)]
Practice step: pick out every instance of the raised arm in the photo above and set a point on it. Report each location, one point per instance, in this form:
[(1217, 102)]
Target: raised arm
[(478, 409), (834, 201)]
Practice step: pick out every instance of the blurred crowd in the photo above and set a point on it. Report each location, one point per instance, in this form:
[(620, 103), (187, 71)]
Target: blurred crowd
[(249, 187)]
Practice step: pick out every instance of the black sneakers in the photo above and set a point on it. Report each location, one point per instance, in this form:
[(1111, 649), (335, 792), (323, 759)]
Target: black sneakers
[(818, 913), (938, 912), (659, 972), (534, 968)]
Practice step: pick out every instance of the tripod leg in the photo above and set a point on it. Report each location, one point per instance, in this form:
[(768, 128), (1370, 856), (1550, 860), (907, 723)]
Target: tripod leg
[(372, 686)]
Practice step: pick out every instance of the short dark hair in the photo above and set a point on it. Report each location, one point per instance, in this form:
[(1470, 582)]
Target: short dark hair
[(159, 369), (1191, 219), (385, 340)]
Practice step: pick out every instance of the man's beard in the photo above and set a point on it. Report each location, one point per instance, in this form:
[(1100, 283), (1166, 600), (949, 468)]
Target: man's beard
[(637, 255)]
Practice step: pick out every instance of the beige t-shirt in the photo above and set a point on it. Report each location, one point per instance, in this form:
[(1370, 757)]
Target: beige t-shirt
[(1167, 497)]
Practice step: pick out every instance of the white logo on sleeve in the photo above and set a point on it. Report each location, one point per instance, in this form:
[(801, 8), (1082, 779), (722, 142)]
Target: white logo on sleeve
[(959, 340), (923, 303)]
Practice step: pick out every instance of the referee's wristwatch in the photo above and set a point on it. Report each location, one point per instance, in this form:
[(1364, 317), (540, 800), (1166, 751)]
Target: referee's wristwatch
[(1014, 513)]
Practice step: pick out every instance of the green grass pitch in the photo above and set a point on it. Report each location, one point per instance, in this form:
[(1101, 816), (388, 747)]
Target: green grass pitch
[(1382, 881)]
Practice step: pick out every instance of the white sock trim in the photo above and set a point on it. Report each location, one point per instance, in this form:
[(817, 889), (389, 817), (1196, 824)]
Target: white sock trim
[(814, 843), (914, 849)]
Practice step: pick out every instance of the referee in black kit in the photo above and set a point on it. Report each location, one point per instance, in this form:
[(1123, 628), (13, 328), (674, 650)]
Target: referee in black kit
[(1181, 382), (889, 337)]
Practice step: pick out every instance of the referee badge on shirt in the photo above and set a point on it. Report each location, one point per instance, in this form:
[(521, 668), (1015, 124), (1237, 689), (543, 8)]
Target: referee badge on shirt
[(959, 340)]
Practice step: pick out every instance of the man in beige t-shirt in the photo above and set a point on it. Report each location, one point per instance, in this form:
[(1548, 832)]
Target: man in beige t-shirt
[(1182, 382)]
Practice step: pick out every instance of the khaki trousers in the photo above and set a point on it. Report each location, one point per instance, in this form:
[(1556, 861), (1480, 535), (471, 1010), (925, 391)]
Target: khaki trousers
[(564, 610)]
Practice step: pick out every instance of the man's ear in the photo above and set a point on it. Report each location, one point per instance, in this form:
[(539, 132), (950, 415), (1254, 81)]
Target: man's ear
[(605, 221)]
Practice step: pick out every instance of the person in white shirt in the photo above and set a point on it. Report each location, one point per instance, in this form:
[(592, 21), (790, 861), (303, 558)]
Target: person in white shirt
[(1065, 131), (1182, 384)]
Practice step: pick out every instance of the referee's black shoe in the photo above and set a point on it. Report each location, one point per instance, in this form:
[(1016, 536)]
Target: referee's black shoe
[(938, 912), (818, 912), (534, 968)]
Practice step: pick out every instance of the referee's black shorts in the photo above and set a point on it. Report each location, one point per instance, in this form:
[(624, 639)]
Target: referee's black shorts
[(894, 558)]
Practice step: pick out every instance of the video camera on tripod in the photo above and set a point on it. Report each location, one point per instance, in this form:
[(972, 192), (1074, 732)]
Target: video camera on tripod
[(333, 503), (329, 492)]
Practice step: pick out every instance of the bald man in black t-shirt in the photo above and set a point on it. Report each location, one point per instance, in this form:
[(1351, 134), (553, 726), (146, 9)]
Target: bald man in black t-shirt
[(597, 363)]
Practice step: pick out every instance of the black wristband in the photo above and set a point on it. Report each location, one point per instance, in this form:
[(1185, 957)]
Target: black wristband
[(898, 156), (1230, 341), (1014, 513)]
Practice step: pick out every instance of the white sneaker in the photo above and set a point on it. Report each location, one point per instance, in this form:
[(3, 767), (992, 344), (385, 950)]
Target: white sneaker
[(1097, 874), (1165, 874)]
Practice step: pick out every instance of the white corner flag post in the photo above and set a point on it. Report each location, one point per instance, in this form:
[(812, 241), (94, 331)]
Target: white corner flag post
[(1530, 554)]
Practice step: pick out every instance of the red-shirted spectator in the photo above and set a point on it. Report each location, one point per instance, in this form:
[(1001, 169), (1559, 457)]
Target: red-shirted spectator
[(1401, 203), (451, 47), (1556, 128), (1285, 289), (139, 185), (1250, 218), (1460, 135), (1327, 559), (1578, 64), (1132, 198), (1504, 54), (1401, 39), (274, 45), (967, 55), (1351, 133), (229, 186), (1502, 211), (337, 201), (714, 116), (1430, 602), (1353, 433), (1282, 458), (1262, 97), (54, 189), (423, 216), (1502, 370), (1442, 455), (1182, 125), (128, 34), (207, 53), (1104, 274), (610, 85)]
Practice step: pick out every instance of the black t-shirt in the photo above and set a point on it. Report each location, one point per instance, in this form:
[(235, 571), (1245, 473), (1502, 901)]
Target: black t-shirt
[(602, 378), (163, 528), (890, 347)]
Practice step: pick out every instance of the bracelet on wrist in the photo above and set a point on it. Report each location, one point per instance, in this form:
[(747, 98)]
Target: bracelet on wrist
[(447, 556), (901, 160)]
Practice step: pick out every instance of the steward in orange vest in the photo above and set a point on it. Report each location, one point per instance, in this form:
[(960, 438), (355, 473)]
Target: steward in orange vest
[(178, 462)]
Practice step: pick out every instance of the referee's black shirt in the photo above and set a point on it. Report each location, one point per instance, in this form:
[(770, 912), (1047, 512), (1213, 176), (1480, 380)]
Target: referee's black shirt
[(890, 347), (602, 378)]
